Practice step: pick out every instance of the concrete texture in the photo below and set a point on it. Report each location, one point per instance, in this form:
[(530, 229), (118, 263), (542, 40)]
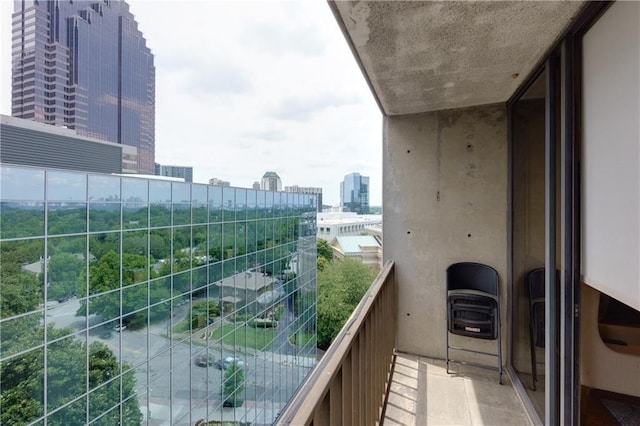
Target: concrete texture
[(445, 197), (422, 393), (428, 56)]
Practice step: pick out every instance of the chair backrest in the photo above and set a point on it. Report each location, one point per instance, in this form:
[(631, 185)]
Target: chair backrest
[(472, 276), (535, 284)]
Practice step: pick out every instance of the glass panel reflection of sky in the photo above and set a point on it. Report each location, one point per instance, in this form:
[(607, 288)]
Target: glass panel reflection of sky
[(66, 186), (21, 184), (104, 188)]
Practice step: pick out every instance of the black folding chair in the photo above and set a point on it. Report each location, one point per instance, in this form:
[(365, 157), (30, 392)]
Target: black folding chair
[(473, 308), (535, 287)]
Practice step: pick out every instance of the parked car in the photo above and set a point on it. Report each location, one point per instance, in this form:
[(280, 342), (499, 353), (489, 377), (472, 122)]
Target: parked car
[(203, 360), (119, 328), (225, 363)]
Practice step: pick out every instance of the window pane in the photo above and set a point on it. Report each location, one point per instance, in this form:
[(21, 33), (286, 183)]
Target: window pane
[(18, 183), (21, 276), (67, 218), (134, 190), (66, 186), (159, 191), (104, 188)]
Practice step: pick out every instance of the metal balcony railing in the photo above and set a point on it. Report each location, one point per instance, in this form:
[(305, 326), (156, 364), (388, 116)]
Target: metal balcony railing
[(349, 384)]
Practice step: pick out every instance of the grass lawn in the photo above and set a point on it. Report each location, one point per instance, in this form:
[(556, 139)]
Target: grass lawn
[(242, 335), (182, 326), (301, 338)]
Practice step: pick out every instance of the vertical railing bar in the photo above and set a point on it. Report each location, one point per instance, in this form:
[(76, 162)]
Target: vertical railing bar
[(362, 373), (347, 399), (369, 388), (355, 380), (335, 399), (379, 356)]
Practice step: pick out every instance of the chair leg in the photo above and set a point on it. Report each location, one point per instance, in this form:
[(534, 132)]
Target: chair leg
[(532, 346), (499, 325), (447, 356), (447, 338)]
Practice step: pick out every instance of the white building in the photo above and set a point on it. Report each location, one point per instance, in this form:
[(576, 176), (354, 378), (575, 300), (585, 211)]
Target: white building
[(332, 225)]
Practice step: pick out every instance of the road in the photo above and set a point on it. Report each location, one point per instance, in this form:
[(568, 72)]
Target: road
[(170, 386)]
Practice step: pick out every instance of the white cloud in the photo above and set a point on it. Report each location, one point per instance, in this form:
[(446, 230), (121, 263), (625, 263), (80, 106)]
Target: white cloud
[(246, 87)]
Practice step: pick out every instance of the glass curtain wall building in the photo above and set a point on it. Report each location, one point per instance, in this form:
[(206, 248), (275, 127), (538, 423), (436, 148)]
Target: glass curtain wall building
[(135, 301), (354, 193), (85, 65)]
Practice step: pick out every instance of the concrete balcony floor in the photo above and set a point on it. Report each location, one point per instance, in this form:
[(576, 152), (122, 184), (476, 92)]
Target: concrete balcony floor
[(422, 393)]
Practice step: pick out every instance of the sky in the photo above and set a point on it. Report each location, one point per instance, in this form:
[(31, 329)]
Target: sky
[(248, 87)]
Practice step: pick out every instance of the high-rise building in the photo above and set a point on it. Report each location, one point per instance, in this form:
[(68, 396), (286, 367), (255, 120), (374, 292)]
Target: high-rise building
[(256, 185), (183, 172), (271, 182), (306, 190), (86, 66), (145, 301), (354, 193)]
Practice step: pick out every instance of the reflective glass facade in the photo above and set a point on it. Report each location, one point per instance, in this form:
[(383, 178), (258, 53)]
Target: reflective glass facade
[(135, 301), (354, 193), (85, 65)]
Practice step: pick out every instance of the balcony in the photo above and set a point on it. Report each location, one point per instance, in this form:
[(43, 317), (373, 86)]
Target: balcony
[(363, 379)]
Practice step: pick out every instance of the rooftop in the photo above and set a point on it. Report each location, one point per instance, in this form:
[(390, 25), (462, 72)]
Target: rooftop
[(248, 280), (354, 244)]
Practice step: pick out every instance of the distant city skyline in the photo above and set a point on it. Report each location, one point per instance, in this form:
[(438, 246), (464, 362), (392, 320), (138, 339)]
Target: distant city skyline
[(246, 87)]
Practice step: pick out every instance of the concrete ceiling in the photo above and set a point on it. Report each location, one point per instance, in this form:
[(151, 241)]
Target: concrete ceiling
[(425, 56)]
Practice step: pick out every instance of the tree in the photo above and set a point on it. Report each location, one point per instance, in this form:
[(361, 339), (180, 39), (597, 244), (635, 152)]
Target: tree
[(23, 377), (341, 286), (324, 250), (233, 385), (321, 263), (20, 293), (64, 271)]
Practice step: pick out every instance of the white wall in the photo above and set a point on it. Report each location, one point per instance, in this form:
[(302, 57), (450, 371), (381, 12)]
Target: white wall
[(611, 154)]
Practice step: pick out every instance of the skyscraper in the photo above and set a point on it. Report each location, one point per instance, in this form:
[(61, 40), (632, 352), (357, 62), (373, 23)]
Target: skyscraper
[(271, 182), (354, 193), (86, 66)]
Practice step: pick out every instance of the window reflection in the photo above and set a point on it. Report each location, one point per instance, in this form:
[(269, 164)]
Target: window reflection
[(131, 284), (104, 188), (180, 192), (159, 191), (134, 190), (21, 184), (66, 186)]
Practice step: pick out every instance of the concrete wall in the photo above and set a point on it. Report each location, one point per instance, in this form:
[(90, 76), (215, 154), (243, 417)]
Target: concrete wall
[(445, 201)]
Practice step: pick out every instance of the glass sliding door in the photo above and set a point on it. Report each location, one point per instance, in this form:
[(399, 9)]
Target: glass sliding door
[(528, 240)]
